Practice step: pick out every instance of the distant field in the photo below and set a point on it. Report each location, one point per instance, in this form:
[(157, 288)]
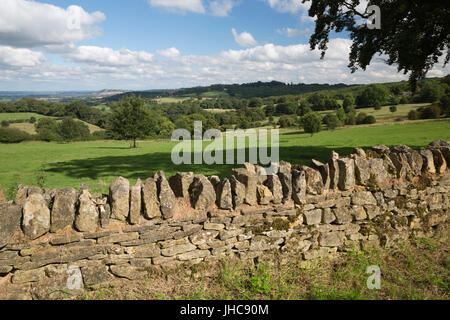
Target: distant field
[(384, 115), (29, 127), (218, 110), (171, 100), (19, 116), (98, 163)]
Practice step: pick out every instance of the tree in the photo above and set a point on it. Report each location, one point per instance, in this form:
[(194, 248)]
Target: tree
[(312, 123), (413, 34), (130, 120), (374, 96), (431, 92), (445, 105), (331, 121), (71, 130), (340, 114), (47, 129), (393, 109), (5, 124), (348, 103), (287, 121)]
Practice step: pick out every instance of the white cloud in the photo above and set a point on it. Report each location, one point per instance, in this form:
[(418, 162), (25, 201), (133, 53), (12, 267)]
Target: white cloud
[(14, 57), (244, 39), (30, 24), (292, 32), (108, 56), (288, 6), (170, 53), (179, 5), (221, 8)]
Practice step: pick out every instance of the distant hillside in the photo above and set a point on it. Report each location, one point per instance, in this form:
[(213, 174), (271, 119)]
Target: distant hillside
[(247, 90)]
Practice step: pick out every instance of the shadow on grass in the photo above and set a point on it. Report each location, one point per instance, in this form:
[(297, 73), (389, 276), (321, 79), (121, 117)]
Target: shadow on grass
[(143, 166)]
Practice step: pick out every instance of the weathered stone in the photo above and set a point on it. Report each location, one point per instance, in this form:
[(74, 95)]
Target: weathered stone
[(343, 215), (238, 191), (87, 218), (95, 275), (66, 239), (314, 181), (363, 198), (10, 215), (147, 251), (324, 171), (346, 173), (5, 269), (328, 216), (167, 198), (400, 162), (262, 174), (120, 237), (313, 217), (202, 193), (175, 250), (439, 161), (28, 276), (428, 160), (36, 216), (334, 170), (250, 180), (119, 192), (362, 170), (21, 195), (285, 176), (378, 170), (224, 195), (274, 185), (381, 149), (63, 210), (264, 195), (127, 271), (34, 190), (358, 213), (197, 254), (372, 211), (180, 183), (135, 202), (331, 239), (105, 215), (150, 199), (299, 186)]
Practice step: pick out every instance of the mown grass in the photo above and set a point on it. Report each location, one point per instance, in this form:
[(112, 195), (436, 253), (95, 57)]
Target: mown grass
[(98, 163), (414, 270)]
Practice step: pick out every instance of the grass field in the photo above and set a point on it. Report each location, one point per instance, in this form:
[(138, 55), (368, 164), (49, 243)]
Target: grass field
[(98, 163), (20, 116)]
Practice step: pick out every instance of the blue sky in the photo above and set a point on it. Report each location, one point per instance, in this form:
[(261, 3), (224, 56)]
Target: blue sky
[(150, 44)]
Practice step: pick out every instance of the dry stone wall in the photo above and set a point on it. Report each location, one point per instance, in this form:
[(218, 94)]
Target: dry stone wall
[(370, 198)]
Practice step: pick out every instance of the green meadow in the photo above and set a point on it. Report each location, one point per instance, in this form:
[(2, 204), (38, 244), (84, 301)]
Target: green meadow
[(98, 163)]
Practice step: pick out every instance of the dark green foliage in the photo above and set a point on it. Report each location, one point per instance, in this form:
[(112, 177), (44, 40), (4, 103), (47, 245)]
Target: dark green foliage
[(414, 115), (373, 96), (72, 130), (413, 34), (5, 124), (431, 112), (312, 123), (13, 135), (430, 92), (286, 108), (445, 105), (287, 121), (331, 121), (130, 120), (393, 109)]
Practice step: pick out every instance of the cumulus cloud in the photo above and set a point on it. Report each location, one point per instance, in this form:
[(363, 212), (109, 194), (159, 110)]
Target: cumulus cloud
[(170, 53), (221, 8), (179, 5), (288, 6), (30, 24), (244, 39), (13, 57), (292, 32), (108, 56)]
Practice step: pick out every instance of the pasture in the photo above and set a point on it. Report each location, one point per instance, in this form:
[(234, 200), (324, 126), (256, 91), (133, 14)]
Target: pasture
[(98, 163)]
